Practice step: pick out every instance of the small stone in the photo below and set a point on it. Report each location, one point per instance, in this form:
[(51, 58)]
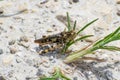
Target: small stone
[(44, 1), (75, 1), (12, 42), (13, 50), (53, 25), (1, 51), (18, 60), (11, 27), (49, 30), (24, 38)]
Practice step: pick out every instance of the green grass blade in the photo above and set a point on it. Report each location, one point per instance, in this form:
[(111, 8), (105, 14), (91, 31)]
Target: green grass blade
[(111, 37), (77, 55), (68, 20), (81, 38), (65, 48), (74, 25), (111, 48), (57, 75), (86, 26)]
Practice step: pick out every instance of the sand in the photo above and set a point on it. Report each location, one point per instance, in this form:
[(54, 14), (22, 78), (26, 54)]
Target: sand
[(19, 59)]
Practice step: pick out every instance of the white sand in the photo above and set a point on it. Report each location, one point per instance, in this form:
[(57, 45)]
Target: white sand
[(19, 59)]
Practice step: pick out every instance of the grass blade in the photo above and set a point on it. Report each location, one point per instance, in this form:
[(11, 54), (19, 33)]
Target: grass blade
[(57, 75), (81, 38), (86, 26), (77, 55), (111, 48), (74, 25), (72, 42), (111, 37), (68, 20)]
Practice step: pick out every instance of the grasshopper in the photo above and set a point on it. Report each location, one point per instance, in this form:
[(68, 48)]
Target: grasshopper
[(65, 39), (59, 39)]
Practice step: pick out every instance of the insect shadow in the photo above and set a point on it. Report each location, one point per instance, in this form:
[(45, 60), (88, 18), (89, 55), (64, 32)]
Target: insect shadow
[(55, 53)]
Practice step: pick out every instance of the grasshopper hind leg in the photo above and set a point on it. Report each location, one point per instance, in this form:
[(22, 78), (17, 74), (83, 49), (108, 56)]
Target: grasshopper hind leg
[(50, 48)]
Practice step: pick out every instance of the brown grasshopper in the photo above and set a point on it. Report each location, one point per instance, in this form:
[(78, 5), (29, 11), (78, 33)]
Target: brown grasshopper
[(59, 39), (64, 39)]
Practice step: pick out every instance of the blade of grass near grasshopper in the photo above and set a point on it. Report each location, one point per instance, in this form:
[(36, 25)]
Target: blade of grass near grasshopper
[(57, 75), (98, 45), (86, 26), (68, 20), (67, 45), (74, 25), (111, 48), (74, 41)]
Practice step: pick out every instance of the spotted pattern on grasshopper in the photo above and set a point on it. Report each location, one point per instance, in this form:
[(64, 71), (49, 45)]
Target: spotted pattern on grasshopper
[(59, 39)]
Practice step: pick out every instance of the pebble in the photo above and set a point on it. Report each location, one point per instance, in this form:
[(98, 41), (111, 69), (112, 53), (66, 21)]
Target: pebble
[(12, 42), (24, 38), (51, 58), (44, 1), (49, 30), (75, 1), (18, 60), (1, 51), (13, 50)]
